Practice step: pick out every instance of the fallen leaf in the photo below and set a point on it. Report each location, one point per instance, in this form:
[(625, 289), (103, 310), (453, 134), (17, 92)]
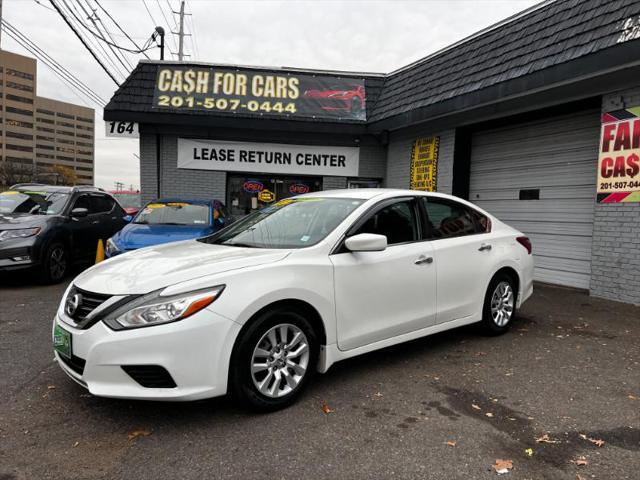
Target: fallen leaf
[(580, 477), (529, 452), (502, 466), (326, 409), (489, 414), (596, 441), (51, 387), (633, 397), (580, 462), (377, 394), (76, 444), (138, 433), (545, 439), (475, 407), (451, 443)]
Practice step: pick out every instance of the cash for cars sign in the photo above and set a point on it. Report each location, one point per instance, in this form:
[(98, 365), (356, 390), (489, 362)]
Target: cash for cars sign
[(259, 93), (424, 164), (268, 158), (619, 158)]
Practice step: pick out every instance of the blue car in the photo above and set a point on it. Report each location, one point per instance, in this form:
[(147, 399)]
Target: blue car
[(169, 220)]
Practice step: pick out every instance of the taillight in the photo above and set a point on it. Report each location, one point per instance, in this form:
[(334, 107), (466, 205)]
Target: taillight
[(526, 243)]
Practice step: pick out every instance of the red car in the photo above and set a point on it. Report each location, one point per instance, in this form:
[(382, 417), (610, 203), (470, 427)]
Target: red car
[(338, 99), (128, 199)]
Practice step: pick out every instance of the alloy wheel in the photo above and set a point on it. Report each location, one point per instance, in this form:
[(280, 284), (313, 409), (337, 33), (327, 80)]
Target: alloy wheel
[(502, 303), (57, 263), (280, 360)]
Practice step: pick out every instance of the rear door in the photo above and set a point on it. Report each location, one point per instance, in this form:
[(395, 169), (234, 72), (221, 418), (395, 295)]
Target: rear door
[(463, 256), (383, 294), (108, 214)]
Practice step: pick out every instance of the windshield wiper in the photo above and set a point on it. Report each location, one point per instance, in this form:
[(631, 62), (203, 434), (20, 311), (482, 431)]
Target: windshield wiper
[(239, 244)]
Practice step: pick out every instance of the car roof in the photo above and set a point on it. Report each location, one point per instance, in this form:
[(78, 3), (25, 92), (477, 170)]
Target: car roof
[(369, 193), (42, 188)]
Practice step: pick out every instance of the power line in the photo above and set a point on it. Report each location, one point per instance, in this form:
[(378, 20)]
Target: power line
[(141, 50), (64, 17), (96, 44), (51, 63)]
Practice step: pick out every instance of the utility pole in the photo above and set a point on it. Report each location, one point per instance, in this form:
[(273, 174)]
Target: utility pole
[(160, 33), (181, 33)]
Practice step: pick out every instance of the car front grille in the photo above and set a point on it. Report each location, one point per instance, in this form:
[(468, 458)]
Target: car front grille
[(87, 302)]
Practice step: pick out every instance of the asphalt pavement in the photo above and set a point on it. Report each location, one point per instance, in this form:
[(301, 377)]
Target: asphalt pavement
[(443, 407)]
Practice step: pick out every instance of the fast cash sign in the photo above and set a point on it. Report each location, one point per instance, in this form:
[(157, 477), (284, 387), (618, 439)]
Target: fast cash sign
[(619, 157)]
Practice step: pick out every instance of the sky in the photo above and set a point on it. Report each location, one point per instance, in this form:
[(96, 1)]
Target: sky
[(357, 35)]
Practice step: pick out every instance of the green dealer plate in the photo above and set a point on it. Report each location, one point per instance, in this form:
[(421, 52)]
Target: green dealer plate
[(62, 341)]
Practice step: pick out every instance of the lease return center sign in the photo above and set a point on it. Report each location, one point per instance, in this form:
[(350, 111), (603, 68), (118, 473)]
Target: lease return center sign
[(619, 157), (281, 159)]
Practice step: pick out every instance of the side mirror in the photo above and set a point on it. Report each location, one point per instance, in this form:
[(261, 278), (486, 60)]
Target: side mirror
[(79, 212), (366, 242), (127, 218)]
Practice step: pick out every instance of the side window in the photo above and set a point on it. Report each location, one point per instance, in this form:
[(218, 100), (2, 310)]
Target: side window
[(397, 222), (83, 202), (101, 204), (447, 219)]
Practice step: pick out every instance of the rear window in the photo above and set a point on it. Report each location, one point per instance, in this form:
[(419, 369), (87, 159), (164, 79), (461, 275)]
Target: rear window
[(173, 213)]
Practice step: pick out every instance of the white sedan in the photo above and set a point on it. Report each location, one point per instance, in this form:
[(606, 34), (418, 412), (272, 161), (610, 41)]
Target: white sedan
[(259, 307)]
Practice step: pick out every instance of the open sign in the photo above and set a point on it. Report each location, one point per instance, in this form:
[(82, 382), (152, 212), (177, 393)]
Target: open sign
[(299, 188), (253, 186)]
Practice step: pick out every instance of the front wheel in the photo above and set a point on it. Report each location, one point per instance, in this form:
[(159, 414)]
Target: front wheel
[(273, 360), (54, 264), (499, 305)]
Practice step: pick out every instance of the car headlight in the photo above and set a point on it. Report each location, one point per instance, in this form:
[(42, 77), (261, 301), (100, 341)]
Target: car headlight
[(19, 233), (153, 309), (111, 247)]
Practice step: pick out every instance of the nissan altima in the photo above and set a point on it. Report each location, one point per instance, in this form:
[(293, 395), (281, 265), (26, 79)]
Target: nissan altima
[(259, 307)]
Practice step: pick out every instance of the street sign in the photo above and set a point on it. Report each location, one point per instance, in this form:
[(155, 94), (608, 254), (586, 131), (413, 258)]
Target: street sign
[(120, 128)]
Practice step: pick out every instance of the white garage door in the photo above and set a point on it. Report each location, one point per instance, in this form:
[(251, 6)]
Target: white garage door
[(558, 157)]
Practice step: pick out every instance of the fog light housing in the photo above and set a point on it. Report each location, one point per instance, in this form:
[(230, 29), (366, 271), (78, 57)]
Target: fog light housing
[(23, 258)]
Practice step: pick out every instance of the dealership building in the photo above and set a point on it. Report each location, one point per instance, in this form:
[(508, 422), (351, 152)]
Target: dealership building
[(533, 119)]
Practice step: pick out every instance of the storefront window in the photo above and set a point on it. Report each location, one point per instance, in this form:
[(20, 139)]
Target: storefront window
[(246, 194)]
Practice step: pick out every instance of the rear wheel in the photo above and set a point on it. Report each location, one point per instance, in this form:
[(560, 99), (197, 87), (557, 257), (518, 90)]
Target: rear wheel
[(55, 263), (273, 360), (499, 305)]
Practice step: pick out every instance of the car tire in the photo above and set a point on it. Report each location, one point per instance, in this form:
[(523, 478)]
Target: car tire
[(499, 307), (55, 263), (268, 372)]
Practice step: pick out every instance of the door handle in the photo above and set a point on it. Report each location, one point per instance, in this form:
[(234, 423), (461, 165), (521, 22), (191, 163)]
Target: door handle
[(484, 246), (422, 259)]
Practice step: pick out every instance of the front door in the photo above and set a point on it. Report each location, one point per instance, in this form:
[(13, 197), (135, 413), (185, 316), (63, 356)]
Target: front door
[(380, 295), (85, 231)]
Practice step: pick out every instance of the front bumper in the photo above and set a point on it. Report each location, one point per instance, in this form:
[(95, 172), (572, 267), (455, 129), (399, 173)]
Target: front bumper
[(194, 351), (12, 253)]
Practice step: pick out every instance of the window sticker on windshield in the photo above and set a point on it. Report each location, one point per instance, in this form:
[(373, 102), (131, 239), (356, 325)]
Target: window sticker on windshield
[(151, 206), (178, 204), (305, 238), (199, 221), (146, 211), (9, 193)]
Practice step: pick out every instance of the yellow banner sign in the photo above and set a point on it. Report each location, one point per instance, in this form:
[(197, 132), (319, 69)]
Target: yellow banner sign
[(424, 164)]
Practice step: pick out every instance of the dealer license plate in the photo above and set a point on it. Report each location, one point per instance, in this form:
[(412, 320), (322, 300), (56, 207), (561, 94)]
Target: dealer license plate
[(62, 341)]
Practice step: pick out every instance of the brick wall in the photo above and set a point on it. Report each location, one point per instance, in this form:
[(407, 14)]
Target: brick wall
[(615, 251), (399, 158)]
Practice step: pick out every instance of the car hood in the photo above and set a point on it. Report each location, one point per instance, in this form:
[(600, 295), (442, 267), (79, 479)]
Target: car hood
[(152, 268), (21, 220), (134, 236)]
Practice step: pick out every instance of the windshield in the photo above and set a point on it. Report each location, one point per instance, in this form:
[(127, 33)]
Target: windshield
[(33, 203), (290, 223), (128, 200), (173, 213)]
